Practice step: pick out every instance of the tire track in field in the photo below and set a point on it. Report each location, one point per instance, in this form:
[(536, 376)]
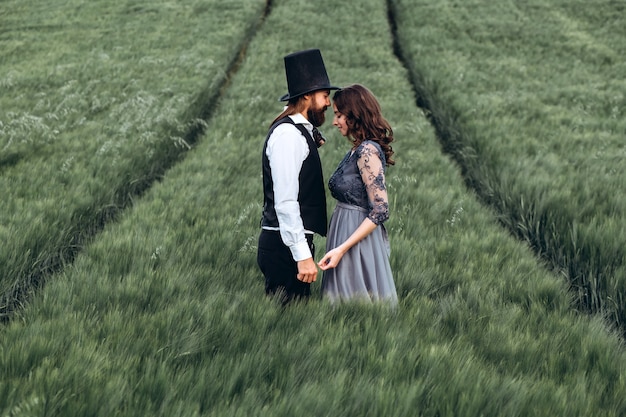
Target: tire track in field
[(536, 227), (443, 122), (87, 225)]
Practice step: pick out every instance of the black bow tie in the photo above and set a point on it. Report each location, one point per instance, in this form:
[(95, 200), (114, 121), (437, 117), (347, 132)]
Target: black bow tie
[(317, 136)]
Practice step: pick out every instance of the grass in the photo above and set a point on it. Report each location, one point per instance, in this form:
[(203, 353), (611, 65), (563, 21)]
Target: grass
[(100, 98), (527, 98)]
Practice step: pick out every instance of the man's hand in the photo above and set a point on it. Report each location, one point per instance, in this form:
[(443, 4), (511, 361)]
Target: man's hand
[(307, 270)]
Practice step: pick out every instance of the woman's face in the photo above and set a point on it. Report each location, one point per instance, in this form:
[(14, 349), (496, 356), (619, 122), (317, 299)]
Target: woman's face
[(340, 121)]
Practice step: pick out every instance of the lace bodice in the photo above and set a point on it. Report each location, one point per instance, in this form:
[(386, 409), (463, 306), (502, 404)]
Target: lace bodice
[(360, 180)]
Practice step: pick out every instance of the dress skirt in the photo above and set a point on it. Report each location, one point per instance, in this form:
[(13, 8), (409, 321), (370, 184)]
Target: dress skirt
[(364, 272)]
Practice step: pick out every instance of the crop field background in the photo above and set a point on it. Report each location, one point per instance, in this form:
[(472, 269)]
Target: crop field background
[(529, 97), (130, 140), (99, 98)]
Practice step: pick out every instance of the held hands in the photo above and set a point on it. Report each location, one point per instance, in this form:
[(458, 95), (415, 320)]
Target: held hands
[(307, 269), (331, 259)]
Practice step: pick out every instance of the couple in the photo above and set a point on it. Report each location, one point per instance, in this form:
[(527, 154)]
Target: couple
[(356, 263)]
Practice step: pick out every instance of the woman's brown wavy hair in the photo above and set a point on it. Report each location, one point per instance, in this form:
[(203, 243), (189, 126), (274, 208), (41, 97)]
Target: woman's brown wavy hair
[(364, 118)]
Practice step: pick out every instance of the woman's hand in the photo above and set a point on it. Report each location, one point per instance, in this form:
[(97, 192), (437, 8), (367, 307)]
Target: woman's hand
[(331, 259)]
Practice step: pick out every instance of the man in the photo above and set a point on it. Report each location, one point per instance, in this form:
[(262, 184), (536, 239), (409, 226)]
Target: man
[(294, 199)]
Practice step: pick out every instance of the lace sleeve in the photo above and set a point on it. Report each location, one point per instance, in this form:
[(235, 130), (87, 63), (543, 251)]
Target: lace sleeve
[(372, 172)]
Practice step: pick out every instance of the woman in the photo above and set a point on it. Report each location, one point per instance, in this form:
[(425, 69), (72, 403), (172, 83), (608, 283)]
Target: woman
[(356, 264)]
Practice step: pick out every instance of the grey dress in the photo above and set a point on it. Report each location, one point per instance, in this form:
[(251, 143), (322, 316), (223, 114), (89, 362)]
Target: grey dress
[(364, 272)]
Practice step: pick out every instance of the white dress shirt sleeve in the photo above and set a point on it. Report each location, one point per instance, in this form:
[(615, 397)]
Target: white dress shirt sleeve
[(286, 150)]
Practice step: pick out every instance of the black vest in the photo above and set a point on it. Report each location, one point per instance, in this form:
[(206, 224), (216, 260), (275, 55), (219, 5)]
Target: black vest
[(311, 195)]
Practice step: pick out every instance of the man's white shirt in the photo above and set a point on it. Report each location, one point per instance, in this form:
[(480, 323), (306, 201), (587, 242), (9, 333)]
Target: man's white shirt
[(286, 150)]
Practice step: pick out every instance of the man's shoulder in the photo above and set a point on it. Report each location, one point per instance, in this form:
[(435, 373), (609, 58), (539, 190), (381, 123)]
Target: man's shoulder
[(287, 135), (298, 119), (291, 124), (285, 128)]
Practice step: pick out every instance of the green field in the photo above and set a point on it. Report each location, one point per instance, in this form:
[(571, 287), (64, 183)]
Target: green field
[(99, 99), (529, 98), (129, 273)]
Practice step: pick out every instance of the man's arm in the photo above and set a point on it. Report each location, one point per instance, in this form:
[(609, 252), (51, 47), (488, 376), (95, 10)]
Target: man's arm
[(286, 151)]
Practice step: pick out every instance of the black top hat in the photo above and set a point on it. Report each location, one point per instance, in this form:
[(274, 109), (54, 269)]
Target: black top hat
[(305, 72)]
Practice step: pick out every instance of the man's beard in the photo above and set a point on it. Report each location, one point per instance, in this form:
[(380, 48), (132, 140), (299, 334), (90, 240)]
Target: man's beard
[(317, 117)]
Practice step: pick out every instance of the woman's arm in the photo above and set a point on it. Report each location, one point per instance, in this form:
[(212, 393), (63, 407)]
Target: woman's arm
[(332, 257), (373, 176)]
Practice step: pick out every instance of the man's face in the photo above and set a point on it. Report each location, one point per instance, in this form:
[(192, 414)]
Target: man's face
[(320, 101)]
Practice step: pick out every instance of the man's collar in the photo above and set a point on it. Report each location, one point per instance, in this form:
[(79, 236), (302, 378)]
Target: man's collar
[(300, 119)]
